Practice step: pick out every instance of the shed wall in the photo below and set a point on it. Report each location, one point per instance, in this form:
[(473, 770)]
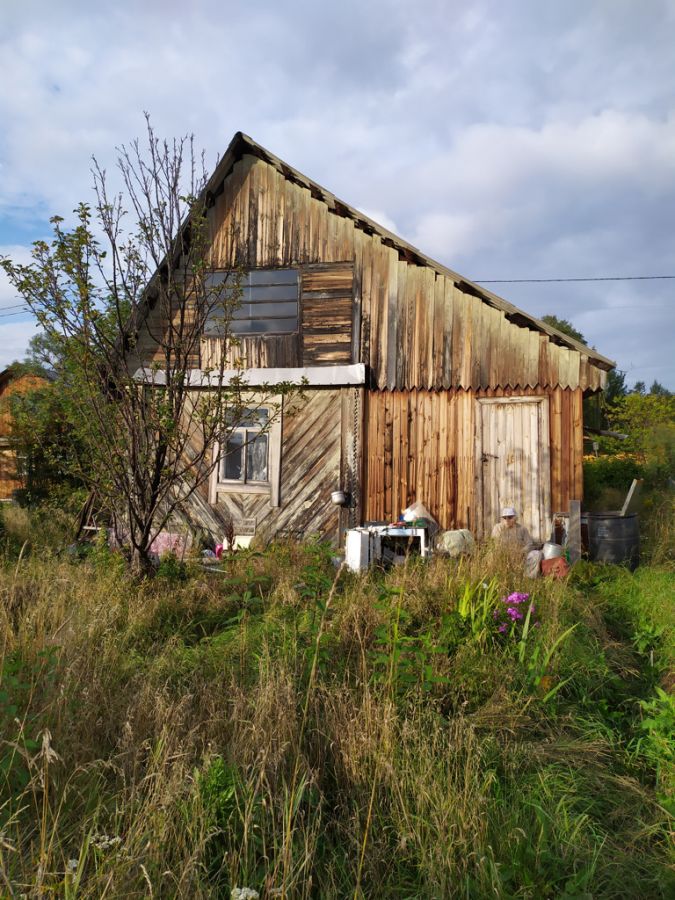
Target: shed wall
[(420, 445), (315, 460)]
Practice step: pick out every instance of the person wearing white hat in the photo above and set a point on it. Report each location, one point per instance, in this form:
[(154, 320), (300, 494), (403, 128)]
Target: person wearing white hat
[(510, 533)]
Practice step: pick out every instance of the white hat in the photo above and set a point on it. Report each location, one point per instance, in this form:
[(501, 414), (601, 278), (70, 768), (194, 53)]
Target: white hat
[(507, 512)]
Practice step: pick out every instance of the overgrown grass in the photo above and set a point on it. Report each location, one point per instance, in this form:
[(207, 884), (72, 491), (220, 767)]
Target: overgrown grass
[(277, 727)]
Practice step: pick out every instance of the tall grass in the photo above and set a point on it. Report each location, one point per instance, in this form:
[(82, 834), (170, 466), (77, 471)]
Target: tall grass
[(306, 735)]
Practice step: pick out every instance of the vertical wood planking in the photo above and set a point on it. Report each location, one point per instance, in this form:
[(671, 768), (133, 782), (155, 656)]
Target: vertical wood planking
[(432, 429), (378, 443), (357, 297), (556, 449), (366, 262), (392, 448), (445, 376), (425, 378), (375, 310), (391, 333), (435, 375), (577, 450), (545, 459), (461, 366), (566, 443), (261, 218), (434, 439)]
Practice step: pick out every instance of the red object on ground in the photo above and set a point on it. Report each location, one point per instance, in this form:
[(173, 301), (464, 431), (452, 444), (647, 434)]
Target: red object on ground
[(557, 568)]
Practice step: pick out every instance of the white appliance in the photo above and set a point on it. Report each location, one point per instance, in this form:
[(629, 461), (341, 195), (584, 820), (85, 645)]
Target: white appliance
[(362, 547)]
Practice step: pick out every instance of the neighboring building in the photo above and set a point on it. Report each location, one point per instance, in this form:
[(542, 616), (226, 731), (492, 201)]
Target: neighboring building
[(422, 385), (13, 380)]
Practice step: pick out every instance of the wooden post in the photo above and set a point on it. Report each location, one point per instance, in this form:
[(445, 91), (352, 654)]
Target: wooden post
[(574, 531)]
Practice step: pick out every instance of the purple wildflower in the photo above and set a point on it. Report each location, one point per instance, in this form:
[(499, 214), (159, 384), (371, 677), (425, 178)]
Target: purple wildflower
[(517, 597), (502, 628), (514, 613)]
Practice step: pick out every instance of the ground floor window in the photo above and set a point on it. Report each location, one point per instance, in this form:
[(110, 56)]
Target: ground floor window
[(248, 460), (244, 458)]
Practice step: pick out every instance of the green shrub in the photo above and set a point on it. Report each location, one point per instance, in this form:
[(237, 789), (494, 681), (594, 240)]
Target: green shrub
[(609, 472)]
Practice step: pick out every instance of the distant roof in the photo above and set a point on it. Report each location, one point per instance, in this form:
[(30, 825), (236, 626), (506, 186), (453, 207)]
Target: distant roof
[(241, 144), (17, 370)]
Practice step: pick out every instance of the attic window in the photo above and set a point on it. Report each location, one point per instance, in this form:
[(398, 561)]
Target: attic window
[(268, 302)]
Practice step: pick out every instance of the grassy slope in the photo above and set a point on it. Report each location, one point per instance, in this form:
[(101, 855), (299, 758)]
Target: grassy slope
[(372, 736)]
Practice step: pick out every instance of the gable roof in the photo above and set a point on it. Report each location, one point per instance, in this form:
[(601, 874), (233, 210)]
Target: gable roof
[(241, 145)]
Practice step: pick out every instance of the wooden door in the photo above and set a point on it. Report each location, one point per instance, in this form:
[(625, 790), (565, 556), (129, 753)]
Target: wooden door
[(513, 463)]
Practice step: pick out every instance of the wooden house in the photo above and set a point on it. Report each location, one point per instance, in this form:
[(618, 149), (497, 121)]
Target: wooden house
[(421, 384), (13, 380)]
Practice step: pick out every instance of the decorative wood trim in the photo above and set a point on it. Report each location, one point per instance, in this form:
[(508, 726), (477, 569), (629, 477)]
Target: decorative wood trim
[(234, 487), (274, 457)]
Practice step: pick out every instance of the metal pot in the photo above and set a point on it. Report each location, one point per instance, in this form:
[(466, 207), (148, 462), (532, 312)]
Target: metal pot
[(552, 551)]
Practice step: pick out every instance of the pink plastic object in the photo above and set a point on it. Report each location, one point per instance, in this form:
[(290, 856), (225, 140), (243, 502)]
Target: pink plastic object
[(219, 551)]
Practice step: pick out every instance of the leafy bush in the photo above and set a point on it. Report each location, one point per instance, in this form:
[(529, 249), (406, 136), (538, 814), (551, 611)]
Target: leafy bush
[(603, 472)]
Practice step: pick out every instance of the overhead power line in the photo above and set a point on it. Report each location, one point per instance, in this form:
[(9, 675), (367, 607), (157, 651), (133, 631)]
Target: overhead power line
[(19, 312), (549, 280)]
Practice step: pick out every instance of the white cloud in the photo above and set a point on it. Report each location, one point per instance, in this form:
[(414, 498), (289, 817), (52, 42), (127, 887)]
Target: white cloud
[(14, 340), (19, 254), (379, 216), (507, 140)]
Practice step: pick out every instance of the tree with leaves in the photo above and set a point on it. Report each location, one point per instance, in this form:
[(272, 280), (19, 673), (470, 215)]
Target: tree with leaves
[(565, 326), (144, 436)]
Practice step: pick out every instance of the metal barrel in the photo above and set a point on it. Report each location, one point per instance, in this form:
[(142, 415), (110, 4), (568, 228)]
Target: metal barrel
[(614, 538)]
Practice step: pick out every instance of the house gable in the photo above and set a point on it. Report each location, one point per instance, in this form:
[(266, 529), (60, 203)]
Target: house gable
[(413, 322)]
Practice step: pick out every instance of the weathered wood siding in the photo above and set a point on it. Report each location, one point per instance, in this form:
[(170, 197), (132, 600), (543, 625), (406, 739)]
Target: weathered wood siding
[(326, 302), (317, 457), (326, 299), (9, 385), (512, 462), (413, 324), (420, 445), (432, 344)]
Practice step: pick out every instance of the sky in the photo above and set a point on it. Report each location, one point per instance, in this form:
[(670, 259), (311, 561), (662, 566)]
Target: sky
[(523, 140)]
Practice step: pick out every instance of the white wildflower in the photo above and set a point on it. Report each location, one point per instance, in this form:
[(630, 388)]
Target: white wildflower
[(104, 842), (71, 866), (238, 893)]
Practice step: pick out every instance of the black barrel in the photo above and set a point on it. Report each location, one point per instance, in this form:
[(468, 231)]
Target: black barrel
[(614, 538)]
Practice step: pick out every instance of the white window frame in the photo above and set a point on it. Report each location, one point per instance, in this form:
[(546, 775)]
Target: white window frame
[(271, 487)]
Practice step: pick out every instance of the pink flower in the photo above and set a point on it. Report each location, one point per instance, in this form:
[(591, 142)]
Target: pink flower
[(514, 613), (502, 628)]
